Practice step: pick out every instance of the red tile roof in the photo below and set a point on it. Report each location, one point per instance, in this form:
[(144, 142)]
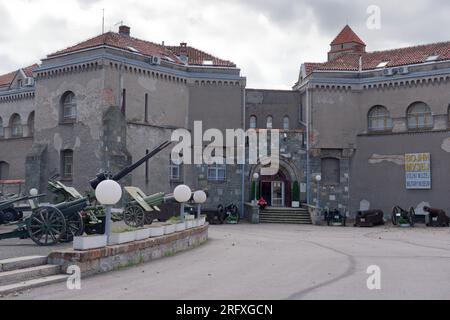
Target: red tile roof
[(6, 79), (396, 57), (197, 57), (347, 35), (147, 48)]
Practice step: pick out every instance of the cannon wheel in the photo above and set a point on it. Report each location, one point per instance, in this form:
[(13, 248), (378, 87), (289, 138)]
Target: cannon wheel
[(46, 226), (221, 214), (395, 210), (134, 216), (411, 216), (74, 227), (149, 217), (10, 215)]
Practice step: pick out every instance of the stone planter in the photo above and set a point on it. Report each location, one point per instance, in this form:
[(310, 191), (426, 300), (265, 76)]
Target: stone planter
[(169, 228), (90, 242), (142, 234), (156, 231), (190, 224), (120, 238), (180, 227)]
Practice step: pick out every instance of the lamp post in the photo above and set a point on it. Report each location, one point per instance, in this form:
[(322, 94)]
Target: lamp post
[(200, 197), (256, 178), (108, 193), (182, 194), (318, 179)]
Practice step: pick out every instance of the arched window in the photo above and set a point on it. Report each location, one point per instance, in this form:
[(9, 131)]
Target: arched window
[(31, 124), (16, 126), (2, 131), (68, 106), (419, 116), (379, 119), (269, 123), (286, 123), (253, 122), (4, 170), (67, 164)]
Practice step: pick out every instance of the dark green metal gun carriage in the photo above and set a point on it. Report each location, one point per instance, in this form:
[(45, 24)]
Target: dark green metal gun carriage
[(48, 224)]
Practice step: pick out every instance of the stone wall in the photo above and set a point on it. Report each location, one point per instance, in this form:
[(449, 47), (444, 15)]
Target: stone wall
[(122, 256)]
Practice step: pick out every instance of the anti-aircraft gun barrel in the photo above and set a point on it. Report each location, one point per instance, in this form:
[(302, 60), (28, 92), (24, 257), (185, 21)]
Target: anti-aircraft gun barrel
[(121, 174)]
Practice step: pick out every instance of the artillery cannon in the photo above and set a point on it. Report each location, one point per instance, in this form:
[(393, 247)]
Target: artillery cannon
[(102, 176), (143, 210), (437, 217), (9, 212), (369, 218), (335, 217), (49, 224), (401, 216)]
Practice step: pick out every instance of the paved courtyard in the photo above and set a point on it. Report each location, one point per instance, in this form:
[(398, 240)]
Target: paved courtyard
[(284, 262)]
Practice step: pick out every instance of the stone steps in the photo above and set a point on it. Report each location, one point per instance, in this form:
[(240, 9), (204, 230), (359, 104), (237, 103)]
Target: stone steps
[(285, 215), (25, 273)]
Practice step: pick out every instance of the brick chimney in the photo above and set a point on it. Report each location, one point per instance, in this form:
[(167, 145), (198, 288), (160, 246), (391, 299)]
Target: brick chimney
[(124, 30), (183, 48)]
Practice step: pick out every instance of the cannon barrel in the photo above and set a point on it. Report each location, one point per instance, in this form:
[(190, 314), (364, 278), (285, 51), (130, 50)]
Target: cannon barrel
[(433, 211), (125, 171), (67, 206), (368, 213)]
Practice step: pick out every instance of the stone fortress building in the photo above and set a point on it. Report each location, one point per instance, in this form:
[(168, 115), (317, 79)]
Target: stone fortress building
[(353, 119)]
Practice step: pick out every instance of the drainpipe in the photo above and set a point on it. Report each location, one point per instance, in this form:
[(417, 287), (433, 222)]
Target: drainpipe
[(308, 165), (243, 165)]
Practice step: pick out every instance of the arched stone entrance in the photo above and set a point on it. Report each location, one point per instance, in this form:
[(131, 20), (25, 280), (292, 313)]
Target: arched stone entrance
[(277, 189)]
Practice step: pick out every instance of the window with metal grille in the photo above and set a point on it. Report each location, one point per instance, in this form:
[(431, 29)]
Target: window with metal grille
[(419, 116), (69, 106), (379, 119), (67, 164), (16, 126), (217, 172)]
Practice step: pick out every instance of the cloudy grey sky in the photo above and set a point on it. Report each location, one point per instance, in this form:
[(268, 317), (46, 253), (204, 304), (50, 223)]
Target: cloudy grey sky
[(267, 39)]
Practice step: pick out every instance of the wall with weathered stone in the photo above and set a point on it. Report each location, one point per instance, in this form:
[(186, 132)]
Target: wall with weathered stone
[(378, 172)]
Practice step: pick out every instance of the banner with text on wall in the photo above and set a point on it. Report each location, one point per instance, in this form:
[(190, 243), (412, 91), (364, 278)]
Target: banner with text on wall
[(418, 170)]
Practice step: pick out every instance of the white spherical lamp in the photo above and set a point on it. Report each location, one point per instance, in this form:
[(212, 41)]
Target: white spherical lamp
[(34, 192), (182, 193), (108, 192), (318, 178), (200, 197), (256, 176)]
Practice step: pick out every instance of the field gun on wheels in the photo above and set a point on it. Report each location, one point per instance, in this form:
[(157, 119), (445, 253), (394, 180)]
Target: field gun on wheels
[(143, 210), (9, 212), (401, 216), (47, 224)]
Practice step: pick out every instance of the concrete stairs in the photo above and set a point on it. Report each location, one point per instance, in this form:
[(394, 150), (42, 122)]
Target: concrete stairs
[(285, 215), (19, 274)]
